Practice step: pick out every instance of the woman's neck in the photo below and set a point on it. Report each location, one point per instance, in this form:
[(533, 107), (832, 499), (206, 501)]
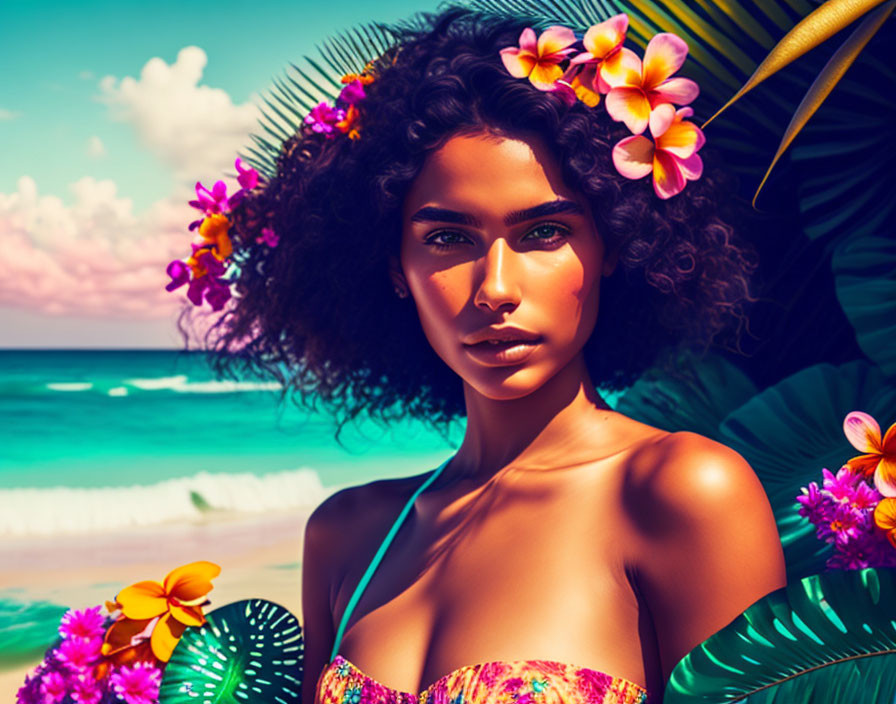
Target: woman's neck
[(563, 422)]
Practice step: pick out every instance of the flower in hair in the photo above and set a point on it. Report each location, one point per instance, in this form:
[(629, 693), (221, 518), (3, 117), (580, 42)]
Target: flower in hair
[(204, 269), (602, 58), (672, 157), (323, 118), (539, 59), (640, 94), (637, 88)]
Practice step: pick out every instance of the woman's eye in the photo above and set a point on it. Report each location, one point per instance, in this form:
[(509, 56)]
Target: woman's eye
[(449, 239), (550, 233)]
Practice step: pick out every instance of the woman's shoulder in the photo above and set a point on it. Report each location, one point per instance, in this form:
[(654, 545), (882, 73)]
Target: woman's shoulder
[(360, 509), (683, 473)]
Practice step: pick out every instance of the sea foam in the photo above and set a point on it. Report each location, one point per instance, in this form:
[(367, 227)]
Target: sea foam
[(68, 510)]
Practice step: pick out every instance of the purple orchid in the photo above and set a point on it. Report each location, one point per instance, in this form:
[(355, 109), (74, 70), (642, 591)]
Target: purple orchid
[(248, 177), (842, 485), (211, 201), (179, 273)]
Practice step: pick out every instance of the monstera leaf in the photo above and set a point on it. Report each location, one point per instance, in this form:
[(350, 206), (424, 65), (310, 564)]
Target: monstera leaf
[(247, 651), (827, 638)]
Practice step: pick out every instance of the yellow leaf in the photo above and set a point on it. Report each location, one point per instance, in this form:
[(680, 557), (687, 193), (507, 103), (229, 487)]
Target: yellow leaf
[(818, 26), (831, 73)]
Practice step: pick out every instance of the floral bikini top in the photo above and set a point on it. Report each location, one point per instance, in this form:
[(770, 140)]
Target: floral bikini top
[(500, 682)]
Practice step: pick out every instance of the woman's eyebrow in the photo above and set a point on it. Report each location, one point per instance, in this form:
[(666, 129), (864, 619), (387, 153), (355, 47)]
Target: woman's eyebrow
[(431, 213)]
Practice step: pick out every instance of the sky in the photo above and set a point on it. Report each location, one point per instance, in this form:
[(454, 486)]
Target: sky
[(111, 113)]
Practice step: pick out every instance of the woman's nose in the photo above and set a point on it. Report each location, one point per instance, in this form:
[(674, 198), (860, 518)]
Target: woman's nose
[(498, 283)]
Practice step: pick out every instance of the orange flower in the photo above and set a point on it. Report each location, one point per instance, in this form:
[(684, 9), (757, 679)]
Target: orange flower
[(879, 459), (164, 609), (214, 232), (348, 125), (885, 518)]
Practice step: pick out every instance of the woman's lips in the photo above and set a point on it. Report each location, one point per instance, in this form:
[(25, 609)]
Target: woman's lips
[(502, 353)]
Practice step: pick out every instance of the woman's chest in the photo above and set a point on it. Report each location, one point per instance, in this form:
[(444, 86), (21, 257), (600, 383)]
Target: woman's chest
[(520, 571)]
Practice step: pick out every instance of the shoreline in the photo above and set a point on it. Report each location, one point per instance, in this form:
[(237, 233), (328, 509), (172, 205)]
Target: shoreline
[(260, 557)]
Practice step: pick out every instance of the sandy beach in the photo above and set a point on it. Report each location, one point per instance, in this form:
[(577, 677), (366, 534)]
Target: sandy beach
[(260, 556)]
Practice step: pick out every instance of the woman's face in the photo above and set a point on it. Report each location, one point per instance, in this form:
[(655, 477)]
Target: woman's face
[(491, 238)]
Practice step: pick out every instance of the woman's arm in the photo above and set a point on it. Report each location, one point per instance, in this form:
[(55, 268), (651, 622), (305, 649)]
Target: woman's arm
[(317, 622), (711, 543)]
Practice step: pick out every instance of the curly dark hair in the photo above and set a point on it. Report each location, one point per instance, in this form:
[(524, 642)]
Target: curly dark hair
[(319, 313)]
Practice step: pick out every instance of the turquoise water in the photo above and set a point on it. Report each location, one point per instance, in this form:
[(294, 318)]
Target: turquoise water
[(87, 436), (117, 418)]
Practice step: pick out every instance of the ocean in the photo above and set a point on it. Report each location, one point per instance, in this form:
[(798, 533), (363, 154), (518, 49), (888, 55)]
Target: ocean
[(93, 441)]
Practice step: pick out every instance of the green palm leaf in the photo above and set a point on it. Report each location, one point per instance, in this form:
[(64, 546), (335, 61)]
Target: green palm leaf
[(306, 84), (247, 651), (826, 638)]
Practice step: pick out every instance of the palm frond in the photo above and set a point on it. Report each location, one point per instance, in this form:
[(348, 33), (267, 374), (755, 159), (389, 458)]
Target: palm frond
[(301, 87)]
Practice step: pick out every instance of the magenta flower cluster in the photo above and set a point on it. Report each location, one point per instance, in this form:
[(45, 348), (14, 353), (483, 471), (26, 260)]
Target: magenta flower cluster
[(842, 512), (330, 120), (67, 673), (205, 268)]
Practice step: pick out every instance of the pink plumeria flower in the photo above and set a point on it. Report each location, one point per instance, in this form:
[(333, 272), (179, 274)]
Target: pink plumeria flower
[(603, 53), (879, 460), (248, 177), (672, 158), (323, 118), (637, 88), (539, 59)]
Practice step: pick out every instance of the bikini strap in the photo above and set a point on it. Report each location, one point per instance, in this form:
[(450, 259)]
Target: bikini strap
[(371, 568)]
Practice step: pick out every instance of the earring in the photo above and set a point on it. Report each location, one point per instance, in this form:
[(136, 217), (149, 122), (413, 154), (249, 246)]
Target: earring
[(400, 292)]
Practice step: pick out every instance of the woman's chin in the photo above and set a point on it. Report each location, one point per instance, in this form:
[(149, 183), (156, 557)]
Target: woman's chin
[(506, 383)]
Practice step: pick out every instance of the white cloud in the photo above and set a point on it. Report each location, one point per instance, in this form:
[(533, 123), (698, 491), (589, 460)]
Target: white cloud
[(97, 258), (195, 129), (94, 258), (8, 114), (95, 148)]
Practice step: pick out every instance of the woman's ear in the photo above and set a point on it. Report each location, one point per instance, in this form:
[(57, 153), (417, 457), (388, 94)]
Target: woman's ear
[(398, 280)]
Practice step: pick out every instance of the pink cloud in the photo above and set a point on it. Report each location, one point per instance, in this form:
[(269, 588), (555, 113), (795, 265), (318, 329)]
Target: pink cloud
[(94, 258)]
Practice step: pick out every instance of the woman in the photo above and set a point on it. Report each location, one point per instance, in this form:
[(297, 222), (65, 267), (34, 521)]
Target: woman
[(460, 240)]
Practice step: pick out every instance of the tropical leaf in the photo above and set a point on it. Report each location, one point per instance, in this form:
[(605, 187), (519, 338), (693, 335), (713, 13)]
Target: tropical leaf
[(817, 27), (792, 430), (313, 80), (865, 277), (713, 388), (247, 651), (826, 638), (827, 79)]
